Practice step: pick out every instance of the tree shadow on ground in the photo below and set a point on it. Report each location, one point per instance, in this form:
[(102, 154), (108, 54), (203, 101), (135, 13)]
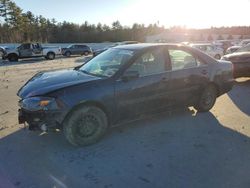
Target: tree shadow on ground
[(182, 149)]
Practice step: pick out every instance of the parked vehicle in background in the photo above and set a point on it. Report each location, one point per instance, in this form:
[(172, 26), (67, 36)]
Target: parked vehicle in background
[(209, 49), (224, 44), (31, 50), (2, 50), (232, 49), (76, 49), (244, 42), (241, 61), (99, 51), (119, 85)]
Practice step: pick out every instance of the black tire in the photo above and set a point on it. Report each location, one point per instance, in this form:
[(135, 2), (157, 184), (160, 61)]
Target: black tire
[(13, 57), (86, 53), (67, 54), (50, 56), (207, 99), (217, 56), (85, 125)]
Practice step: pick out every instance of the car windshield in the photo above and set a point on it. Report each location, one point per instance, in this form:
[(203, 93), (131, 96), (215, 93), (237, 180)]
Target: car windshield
[(107, 63), (244, 49)]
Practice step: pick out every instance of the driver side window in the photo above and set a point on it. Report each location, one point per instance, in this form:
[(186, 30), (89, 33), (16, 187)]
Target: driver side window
[(24, 47), (152, 62)]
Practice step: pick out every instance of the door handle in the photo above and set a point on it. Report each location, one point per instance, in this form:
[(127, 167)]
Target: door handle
[(204, 72), (164, 79)]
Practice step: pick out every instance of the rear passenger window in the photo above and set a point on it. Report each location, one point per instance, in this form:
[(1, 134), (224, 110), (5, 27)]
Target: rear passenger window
[(152, 62), (182, 60)]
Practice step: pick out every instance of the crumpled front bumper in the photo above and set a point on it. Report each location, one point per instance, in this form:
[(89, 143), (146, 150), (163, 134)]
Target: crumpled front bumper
[(39, 119)]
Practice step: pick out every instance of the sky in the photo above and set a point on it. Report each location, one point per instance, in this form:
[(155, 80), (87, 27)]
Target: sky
[(187, 13)]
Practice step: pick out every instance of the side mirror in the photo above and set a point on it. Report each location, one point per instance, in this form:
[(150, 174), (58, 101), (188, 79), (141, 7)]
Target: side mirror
[(130, 75)]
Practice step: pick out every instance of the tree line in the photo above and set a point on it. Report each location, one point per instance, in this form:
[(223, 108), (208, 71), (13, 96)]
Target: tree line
[(17, 26)]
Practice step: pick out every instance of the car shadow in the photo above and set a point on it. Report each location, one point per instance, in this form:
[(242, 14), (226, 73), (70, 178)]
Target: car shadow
[(240, 95), (179, 149)]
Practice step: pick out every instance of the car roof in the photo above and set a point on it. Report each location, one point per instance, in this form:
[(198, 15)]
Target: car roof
[(145, 46), (141, 46)]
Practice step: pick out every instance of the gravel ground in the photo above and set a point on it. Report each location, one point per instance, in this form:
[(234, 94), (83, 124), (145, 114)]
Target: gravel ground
[(178, 149)]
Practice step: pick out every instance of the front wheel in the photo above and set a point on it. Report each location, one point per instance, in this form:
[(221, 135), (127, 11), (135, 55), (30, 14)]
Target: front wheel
[(50, 56), (13, 58), (67, 54), (207, 99), (85, 125)]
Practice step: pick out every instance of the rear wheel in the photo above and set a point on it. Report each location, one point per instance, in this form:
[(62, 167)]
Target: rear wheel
[(207, 99), (51, 56), (13, 57), (85, 125), (67, 54), (86, 53)]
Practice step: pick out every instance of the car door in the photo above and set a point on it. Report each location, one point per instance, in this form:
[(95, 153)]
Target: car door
[(78, 49), (73, 50), (148, 92), (82, 49), (189, 75), (36, 50), (25, 50)]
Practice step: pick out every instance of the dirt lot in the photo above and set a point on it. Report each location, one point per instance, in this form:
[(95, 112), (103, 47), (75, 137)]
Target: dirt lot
[(178, 149)]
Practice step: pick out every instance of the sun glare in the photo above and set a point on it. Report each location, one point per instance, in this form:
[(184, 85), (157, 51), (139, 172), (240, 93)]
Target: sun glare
[(191, 13)]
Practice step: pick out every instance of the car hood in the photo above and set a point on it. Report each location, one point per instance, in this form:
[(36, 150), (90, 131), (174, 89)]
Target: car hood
[(11, 50), (46, 82), (234, 47), (236, 55)]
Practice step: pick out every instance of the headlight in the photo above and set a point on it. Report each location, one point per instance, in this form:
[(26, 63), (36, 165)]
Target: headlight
[(39, 103)]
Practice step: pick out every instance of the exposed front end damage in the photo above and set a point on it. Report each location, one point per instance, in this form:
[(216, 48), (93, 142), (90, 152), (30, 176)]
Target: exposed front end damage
[(40, 120), (46, 117)]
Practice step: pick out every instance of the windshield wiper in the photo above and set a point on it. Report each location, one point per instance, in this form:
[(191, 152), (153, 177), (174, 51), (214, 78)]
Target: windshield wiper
[(93, 74)]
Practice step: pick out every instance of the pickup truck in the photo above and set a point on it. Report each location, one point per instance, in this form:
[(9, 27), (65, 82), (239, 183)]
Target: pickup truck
[(31, 50)]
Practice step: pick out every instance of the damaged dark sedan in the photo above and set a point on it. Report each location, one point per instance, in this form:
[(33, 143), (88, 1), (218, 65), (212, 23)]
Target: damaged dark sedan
[(119, 85), (241, 61)]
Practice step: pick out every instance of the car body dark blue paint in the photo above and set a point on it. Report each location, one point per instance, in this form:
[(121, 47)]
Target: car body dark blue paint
[(124, 99)]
